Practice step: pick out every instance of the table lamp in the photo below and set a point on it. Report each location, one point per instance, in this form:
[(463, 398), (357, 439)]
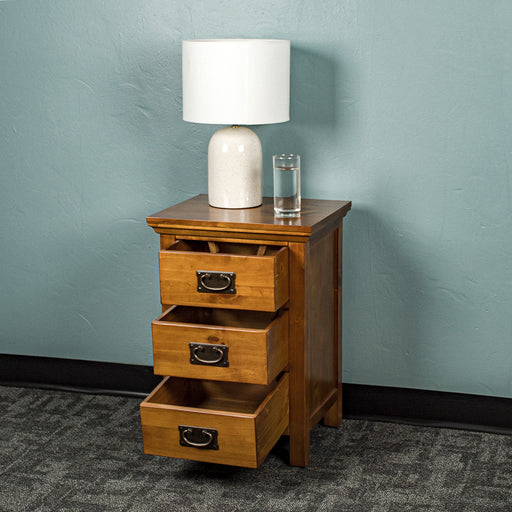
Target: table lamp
[(236, 82)]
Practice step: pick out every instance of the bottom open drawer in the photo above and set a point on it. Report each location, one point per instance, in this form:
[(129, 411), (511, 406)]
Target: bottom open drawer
[(221, 422)]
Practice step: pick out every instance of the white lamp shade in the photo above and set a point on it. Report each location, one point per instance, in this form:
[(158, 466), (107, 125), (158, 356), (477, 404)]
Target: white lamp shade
[(236, 81)]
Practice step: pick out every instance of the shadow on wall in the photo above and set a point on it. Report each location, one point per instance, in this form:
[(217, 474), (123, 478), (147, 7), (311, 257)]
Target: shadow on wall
[(314, 86), (383, 289), (314, 91)]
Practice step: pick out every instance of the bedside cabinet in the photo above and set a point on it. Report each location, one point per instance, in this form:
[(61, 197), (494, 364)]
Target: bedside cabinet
[(249, 339)]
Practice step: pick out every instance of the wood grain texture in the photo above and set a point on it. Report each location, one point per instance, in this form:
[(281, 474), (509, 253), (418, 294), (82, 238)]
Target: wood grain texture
[(257, 343), (334, 415), (272, 418), (282, 242), (261, 281), (304, 275), (326, 405), (166, 241), (299, 428), (313, 343), (321, 353), (276, 239), (196, 214), (214, 248), (236, 411)]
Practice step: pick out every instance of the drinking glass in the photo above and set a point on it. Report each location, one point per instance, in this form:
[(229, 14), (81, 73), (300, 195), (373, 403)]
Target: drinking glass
[(286, 185)]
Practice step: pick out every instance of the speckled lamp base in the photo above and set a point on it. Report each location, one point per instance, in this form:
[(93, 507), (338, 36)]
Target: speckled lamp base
[(234, 168)]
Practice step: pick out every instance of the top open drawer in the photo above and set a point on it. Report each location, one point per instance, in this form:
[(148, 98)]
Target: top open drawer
[(232, 276)]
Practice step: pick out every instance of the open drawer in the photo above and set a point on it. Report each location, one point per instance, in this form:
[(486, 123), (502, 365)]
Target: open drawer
[(221, 422), (220, 344), (236, 276)]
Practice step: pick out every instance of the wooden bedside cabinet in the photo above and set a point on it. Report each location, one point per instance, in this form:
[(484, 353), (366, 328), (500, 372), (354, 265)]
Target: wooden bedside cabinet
[(249, 339)]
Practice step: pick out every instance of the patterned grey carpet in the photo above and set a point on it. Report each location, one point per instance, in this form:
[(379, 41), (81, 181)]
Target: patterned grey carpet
[(75, 452)]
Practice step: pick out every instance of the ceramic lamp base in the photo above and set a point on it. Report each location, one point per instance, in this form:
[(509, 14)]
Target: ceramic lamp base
[(234, 168)]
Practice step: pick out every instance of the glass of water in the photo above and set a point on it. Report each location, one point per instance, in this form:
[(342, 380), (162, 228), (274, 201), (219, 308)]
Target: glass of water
[(286, 185)]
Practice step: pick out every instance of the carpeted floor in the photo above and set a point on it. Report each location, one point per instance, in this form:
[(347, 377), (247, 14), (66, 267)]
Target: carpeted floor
[(64, 451)]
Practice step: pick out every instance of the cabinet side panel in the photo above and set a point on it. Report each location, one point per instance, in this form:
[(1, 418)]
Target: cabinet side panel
[(322, 354)]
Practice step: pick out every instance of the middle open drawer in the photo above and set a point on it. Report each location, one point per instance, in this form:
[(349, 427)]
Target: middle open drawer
[(220, 344)]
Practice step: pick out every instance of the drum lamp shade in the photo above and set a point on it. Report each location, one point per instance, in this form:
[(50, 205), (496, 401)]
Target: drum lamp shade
[(236, 81)]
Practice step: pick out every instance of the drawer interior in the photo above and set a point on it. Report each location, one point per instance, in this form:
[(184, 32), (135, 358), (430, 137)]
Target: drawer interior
[(210, 395), (218, 317), (223, 247)]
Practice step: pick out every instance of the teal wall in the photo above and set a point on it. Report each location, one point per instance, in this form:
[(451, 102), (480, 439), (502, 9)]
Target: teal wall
[(404, 107)]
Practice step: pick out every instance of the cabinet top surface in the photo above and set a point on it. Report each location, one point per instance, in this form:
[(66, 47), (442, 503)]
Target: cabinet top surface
[(196, 214)]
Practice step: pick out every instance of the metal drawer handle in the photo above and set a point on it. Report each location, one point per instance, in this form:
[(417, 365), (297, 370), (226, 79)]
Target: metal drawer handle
[(193, 436), (226, 277), (209, 433), (200, 348), (211, 355), (197, 445), (212, 281)]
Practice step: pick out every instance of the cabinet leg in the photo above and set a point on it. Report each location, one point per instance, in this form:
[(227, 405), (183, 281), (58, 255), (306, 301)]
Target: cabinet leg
[(299, 448), (299, 369), (335, 413)]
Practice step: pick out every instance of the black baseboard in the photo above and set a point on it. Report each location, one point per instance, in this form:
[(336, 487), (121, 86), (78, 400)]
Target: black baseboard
[(435, 408), (416, 406), (77, 375)]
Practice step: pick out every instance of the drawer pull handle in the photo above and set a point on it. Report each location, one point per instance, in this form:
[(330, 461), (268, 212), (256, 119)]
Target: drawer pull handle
[(215, 282), (211, 355), (204, 277), (191, 436), (208, 361)]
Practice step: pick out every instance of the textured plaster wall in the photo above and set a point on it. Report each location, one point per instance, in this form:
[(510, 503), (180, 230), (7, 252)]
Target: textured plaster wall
[(404, 107)]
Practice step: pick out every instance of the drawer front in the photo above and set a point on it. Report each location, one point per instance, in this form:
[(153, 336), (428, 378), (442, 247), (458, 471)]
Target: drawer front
[(210, 427), (246, 347), (235, 281)]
